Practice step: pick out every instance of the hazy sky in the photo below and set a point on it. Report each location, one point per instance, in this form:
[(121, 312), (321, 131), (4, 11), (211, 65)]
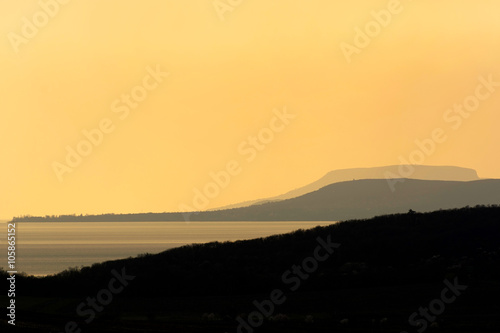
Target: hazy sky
[(353, 99)]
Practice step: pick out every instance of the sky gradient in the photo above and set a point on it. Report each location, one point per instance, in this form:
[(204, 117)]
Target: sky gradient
[(234, 72)]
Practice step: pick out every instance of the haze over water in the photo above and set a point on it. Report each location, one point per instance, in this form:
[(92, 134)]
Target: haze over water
[(50, 247)]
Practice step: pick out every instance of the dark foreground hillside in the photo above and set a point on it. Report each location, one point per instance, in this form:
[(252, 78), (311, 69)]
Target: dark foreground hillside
[(357, 276)]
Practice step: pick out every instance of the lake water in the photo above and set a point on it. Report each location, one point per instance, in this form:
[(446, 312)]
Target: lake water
[(50, 247)]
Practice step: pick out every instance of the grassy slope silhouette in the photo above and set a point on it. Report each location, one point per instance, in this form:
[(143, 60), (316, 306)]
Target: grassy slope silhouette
[(387, 266)]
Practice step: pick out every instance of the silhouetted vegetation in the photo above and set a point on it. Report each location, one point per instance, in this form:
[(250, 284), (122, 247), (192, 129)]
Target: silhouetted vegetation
[(386, 250), (386, 266)]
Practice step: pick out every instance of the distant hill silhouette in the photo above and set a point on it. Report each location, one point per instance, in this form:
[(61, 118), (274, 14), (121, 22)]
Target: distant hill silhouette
[(339, 201), (423, 172)]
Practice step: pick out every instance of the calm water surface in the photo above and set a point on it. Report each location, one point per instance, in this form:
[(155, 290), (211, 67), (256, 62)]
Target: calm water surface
[(50, 247)]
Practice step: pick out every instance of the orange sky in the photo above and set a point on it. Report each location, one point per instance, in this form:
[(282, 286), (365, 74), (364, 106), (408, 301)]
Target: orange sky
[(231, 69)]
